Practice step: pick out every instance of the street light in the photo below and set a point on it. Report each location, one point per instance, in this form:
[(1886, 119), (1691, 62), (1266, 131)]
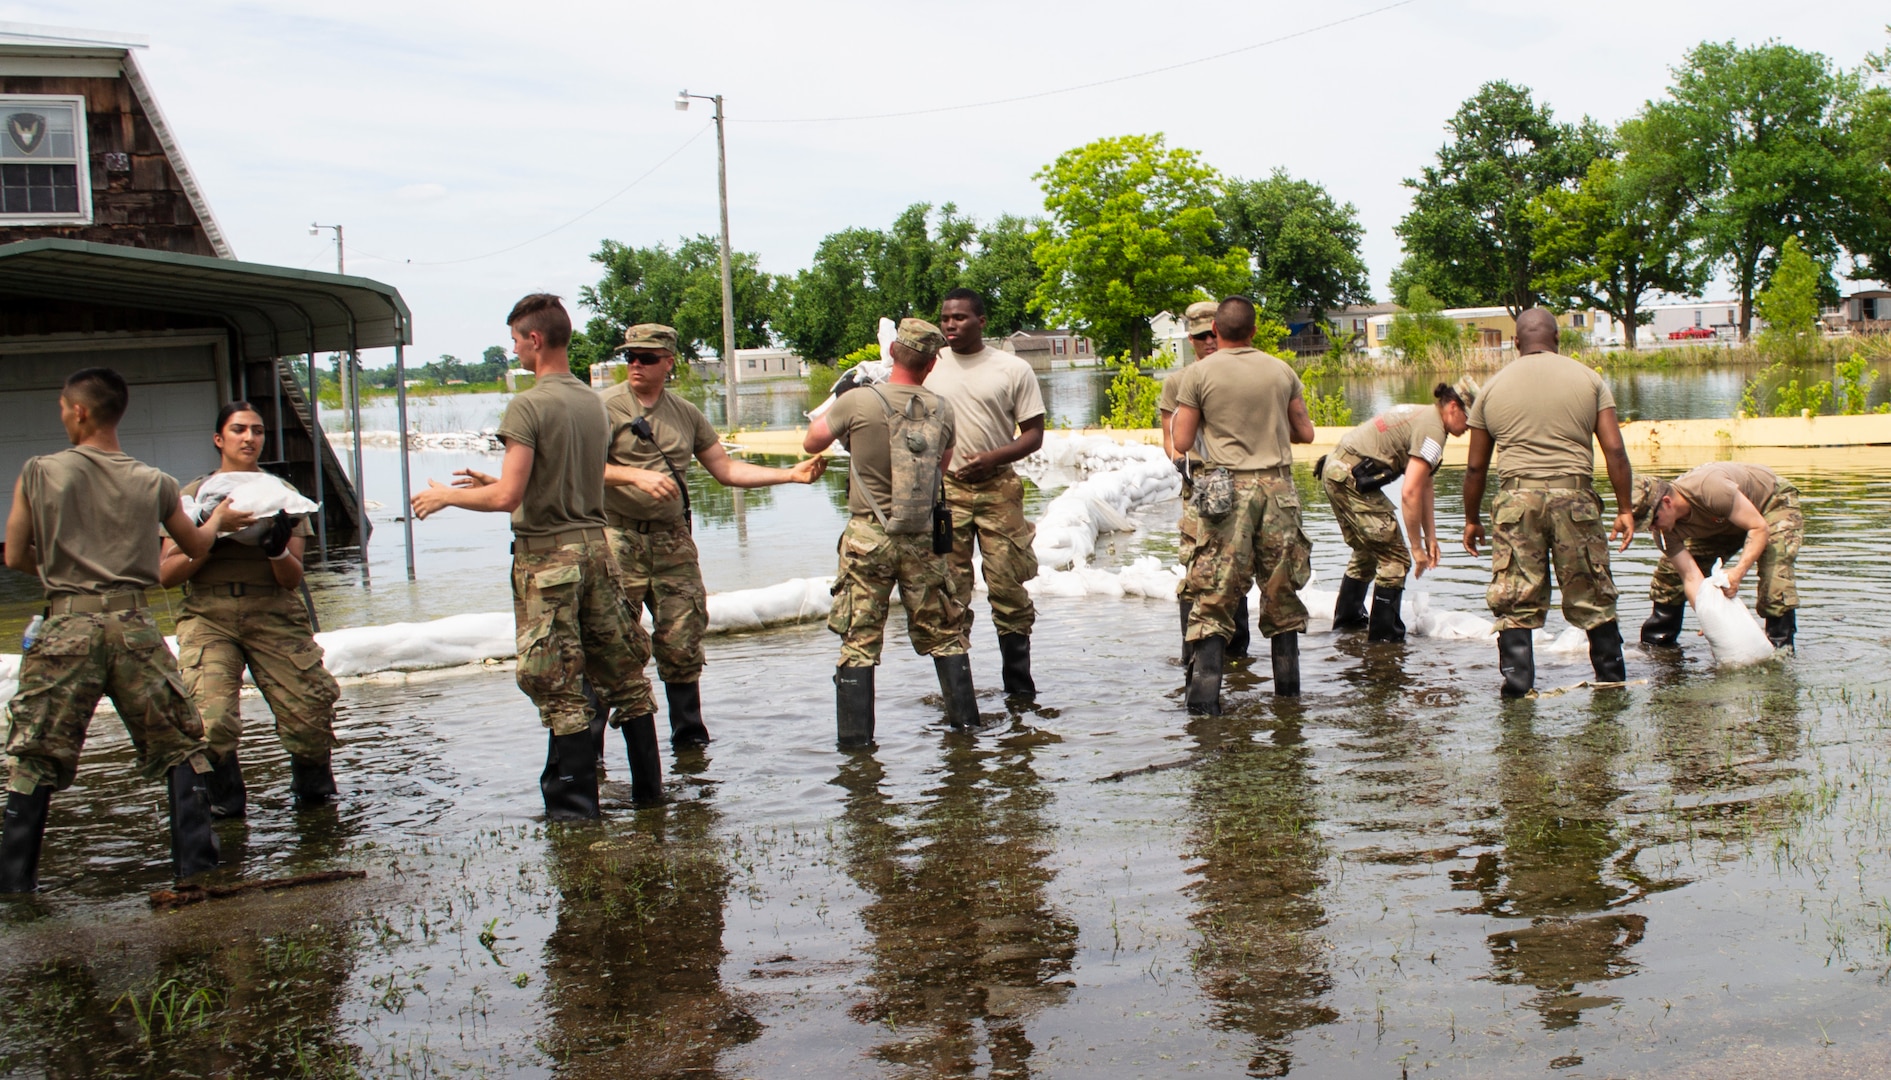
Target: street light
[(728, 282), (316, 230), (354, 399)]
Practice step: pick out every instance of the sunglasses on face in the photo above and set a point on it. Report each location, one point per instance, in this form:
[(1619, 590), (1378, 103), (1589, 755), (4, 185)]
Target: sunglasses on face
[(1203, 336), (644, 359)]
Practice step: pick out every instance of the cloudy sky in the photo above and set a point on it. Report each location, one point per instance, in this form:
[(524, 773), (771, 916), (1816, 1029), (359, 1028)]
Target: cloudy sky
[(457, 142)]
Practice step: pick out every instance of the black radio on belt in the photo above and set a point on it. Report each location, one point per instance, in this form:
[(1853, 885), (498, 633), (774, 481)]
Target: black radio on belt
[(941, 523)]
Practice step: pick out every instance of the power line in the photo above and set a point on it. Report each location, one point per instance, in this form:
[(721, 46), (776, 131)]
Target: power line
[(1082, 86), (613, 197)]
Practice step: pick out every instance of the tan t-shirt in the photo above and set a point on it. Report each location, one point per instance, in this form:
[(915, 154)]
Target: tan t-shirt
[(563, 422), (991, 393), (1541, 410), (859, 423), (1399, 434), (681, 431), (1710, 491), (96, 517), (1243, 397), (232, 561)]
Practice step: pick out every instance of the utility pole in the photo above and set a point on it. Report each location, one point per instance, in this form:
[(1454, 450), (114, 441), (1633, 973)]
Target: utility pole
[(728, 276)]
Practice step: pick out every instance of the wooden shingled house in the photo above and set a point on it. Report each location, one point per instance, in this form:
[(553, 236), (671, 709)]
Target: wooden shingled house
[(110, 255)]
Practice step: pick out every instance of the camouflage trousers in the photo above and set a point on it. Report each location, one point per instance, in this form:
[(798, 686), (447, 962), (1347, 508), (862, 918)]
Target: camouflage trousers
[(871, 563), (661, 572), (572, 623), (1260, 539), (1533, 528), (1188, 539), (268, 632), (78, 659), (1777, 591), (1369, 526), (992, 513)]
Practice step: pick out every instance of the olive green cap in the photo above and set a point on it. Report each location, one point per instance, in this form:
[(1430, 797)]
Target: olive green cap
[(921, 336), (1647, 493), (655, 337), (1201, 317)]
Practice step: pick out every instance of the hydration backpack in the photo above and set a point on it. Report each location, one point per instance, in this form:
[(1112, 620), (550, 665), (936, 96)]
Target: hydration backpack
[(915, 439)]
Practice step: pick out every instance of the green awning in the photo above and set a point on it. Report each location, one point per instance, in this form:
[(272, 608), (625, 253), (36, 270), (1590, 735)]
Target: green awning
[(273, 310)]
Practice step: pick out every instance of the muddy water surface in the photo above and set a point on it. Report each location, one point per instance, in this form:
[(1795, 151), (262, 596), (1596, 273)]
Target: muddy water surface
[(1394, 875)]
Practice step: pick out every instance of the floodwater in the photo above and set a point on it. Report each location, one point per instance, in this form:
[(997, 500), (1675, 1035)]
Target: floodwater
[(1394, 875)]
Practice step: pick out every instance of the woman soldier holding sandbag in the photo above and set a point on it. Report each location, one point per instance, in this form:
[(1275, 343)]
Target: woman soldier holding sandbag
[(242, 608), (1408, 442)]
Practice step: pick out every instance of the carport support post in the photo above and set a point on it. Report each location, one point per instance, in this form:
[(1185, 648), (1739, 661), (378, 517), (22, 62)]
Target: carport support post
[(407, 494), (315, 451), (354, 416)]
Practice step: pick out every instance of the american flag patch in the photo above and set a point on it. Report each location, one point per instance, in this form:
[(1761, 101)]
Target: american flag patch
[(1431, 451)]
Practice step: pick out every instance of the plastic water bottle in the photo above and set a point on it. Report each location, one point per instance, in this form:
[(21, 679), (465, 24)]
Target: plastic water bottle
[(32, 633)]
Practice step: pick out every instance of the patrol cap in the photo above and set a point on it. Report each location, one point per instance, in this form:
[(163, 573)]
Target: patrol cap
[(653, 336), (921, 336), (1467, 391), (1646, 492), (1201, 317)]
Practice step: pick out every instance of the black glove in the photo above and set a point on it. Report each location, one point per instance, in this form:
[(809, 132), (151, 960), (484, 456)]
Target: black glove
[(276, 541), (847, 381), (1181, 466)]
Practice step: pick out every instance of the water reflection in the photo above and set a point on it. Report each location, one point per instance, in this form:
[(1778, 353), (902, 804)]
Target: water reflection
[(966, 944), (1560, 836), (633, 965), (1258, 874)]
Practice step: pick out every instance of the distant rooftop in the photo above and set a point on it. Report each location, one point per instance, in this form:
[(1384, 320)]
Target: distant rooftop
[(67, 37)]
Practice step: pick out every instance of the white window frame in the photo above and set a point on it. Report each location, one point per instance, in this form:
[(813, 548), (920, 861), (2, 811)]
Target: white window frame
[(82, 151)]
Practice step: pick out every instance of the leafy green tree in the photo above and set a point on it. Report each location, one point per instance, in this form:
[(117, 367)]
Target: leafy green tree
[(1867, 231), (1611, 241), (1789, 305), (860, 276), (1751, 141), (681, 288), (1304, 247), (1132, 233), (1005, 272), (1420, 330), (1469, 237)]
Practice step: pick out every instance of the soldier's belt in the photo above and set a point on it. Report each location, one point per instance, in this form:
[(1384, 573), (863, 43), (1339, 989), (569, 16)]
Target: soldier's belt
[(230, 588), (69, 604), (618, 521), (532, 544), (1546, 483), (1277, 472)]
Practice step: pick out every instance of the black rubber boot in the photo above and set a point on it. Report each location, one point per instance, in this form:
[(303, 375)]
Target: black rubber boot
[(194, 846), (311, 781), (1663, 628), (1243, 632), (223, 786), (1516, 658), (1780, 629), (1387, 624), (955, 684), (646, 761), (1605, 653), (21, 838), (853, 707), (1350, 612), (686, 715), (1188, 647), (570, 780), (1015, 652), (600, 726), (1286, 650), (1204, 676)]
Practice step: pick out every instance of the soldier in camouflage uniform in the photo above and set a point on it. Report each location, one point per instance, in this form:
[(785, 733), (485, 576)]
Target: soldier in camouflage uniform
[(654, 435), (1199, 319), (573, 621), (1743, 516), (1539, 415), (241, 609), (899, 436), (1405, 442), (1248, 408), (999, 411), (85, 520)]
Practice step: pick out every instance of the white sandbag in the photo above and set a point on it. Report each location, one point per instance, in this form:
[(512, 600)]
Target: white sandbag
[(9, 676), (259, 493), (1432, 622), (870, 371), (791, 601), (1733, 634), (456, 639)]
